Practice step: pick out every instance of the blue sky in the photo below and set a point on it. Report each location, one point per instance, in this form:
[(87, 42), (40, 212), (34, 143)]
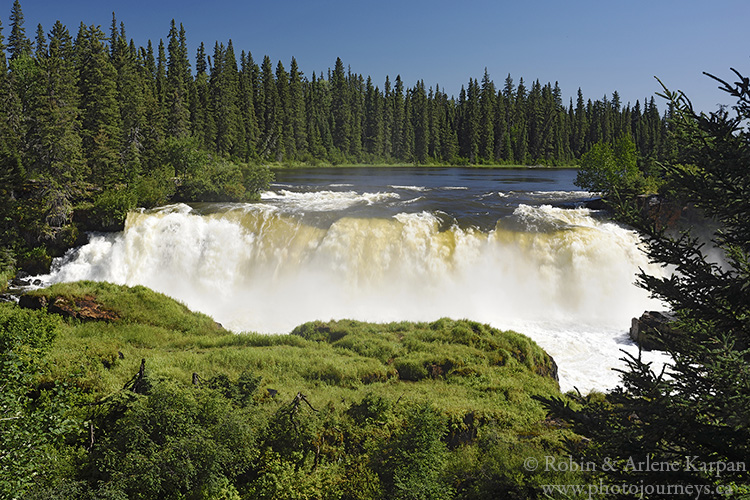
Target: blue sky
[(600, 46)]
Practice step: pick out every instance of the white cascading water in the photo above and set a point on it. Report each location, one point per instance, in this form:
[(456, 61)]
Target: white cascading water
[(558, 275)]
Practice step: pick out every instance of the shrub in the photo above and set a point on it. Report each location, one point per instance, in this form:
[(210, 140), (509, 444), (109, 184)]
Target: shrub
[(413, 461)]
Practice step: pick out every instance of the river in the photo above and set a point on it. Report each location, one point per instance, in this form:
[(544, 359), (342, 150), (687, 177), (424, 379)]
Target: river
[(508, 247)]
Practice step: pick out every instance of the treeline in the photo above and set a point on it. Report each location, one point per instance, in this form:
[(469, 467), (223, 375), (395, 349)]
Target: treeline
[(120, 102), (95, 125)]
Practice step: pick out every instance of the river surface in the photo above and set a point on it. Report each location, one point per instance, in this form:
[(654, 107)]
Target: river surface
[(508, 247)]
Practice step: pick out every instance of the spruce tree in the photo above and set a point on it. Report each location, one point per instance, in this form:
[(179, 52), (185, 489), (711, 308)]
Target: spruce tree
[(520, 134), (420, 123), (200, 106), (224, 85), (341, 117), (177, 84), (101, 120), (397, 124), (287, 146), (58, 153), (487, 118), (356, 94), (271, 123), (248, 68), (131, 100), (18, 44), (388, 121), (296, 110)]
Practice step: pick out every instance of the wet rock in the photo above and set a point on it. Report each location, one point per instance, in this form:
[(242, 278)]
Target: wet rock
[(33, 302), (654, 330), (19, 282)]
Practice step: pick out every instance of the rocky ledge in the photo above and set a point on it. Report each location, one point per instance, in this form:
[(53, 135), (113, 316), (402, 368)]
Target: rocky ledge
[(83, 308), (654, 330)]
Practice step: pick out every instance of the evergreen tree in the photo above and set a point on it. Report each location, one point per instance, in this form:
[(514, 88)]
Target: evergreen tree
[(58, 153), (580, 125), (356, 95), (487, 107), (200, 105), (40, 43), (177, 84), (154, 124), (248, 68), (388, 120), (470, 122), (373, 126), (271, 123), (18, 44), (420, 124), (287, 147), (131, 100), (341, 119), (101, 120), (297, 110), (224, 86), (398, 133)]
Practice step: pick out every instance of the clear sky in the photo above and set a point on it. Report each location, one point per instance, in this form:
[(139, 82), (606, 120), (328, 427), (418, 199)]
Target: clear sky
[(597, 45)]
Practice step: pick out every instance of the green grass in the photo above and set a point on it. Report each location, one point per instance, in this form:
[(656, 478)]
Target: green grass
[(369, 385), (462, 366)]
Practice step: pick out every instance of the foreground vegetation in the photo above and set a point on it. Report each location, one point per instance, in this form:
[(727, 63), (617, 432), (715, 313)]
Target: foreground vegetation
[(334, 410), (699, 407)]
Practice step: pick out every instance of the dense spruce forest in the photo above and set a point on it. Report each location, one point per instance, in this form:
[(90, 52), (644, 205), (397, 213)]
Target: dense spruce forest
[(93, 126)]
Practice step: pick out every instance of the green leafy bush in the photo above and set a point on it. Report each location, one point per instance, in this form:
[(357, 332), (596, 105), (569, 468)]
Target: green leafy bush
[(612, 169)]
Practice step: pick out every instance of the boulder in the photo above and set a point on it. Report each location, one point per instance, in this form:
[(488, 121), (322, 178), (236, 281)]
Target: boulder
[(654, 330)]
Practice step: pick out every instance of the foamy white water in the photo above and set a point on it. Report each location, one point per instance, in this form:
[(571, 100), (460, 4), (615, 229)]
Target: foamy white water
[(561, 276)]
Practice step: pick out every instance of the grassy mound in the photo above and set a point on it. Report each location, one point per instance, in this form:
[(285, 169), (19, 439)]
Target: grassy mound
[(330, 407)]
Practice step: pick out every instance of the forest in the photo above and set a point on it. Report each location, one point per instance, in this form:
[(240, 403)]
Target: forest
[(112, 392), (94, 126)]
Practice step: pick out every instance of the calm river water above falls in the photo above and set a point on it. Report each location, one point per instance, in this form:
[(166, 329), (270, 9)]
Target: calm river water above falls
[(504, 246)]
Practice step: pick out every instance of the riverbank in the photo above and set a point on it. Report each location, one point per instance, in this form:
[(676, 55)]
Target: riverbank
[(292, 166), (130, 376)]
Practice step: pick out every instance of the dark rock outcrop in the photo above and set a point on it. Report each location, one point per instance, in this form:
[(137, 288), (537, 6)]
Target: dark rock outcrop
[(84, 308), (654, 330)]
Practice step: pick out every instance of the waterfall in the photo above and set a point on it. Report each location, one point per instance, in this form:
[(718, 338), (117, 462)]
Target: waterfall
[(561, 276)]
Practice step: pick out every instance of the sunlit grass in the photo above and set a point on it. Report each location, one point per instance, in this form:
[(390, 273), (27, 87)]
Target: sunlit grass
[(461, 366)]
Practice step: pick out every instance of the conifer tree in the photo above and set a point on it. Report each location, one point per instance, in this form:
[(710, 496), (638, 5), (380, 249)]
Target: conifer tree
[(420, 123), (12, 172), (341, 119), (355, 84), (520, 134), (388, 120), (131, 100), (297, 110), (177, 84), (486, 125), (373, 126), (248, 68), (200, 110), (224, 85), (58, 153), (286, 148), (153, 133), (18, 44), (398, 132), (101, 120), (271, 123)]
